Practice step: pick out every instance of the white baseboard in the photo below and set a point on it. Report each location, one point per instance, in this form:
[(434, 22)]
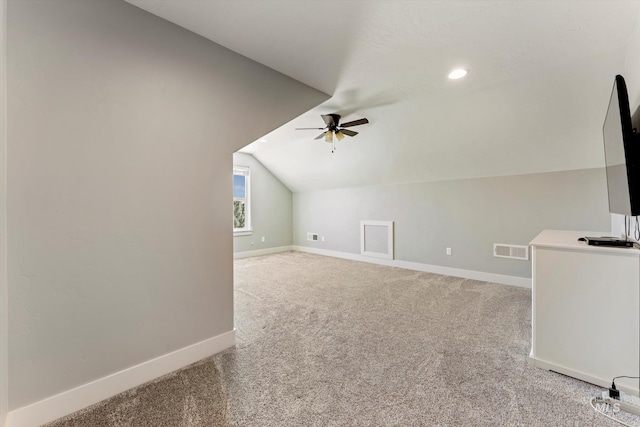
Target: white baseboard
[(503, 279), (85, 395), (602, 382), (259, 252)]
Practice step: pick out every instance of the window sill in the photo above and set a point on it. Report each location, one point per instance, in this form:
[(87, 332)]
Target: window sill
[(242, 233)]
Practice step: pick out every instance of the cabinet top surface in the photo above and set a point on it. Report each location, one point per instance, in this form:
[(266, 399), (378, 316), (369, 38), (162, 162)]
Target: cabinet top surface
[(568, 239)]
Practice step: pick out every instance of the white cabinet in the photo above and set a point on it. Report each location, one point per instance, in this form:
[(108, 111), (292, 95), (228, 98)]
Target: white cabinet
[(585, 308)]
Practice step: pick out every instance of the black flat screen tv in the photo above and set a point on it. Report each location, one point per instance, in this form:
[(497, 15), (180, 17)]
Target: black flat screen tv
[(621, 153)]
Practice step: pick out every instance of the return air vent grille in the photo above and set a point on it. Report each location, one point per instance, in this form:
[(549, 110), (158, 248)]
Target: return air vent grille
[(511, 251)]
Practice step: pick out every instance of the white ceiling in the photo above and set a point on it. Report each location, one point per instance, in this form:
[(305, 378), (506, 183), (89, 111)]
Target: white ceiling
[(540, 75)]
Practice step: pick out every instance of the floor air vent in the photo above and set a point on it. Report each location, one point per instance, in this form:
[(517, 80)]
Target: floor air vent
[(511, 251)]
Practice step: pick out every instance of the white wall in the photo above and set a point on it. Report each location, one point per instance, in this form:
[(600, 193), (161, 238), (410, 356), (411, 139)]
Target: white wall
[(468, 215), (121, 133), (271, 209), (4, 369)]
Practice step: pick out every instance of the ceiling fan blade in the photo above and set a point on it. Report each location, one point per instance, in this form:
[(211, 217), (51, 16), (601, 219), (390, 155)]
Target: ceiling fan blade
[(320, 136), (348, 132), (309, 128), (331, 119), (355, 123), (328, 136), (339, 135)]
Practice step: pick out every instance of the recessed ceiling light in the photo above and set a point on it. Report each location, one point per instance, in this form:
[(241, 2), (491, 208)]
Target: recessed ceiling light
[(458, 73), (262, 140)]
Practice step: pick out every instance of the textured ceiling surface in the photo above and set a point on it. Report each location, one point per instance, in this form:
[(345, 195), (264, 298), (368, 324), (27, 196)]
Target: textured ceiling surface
[(540, 75)]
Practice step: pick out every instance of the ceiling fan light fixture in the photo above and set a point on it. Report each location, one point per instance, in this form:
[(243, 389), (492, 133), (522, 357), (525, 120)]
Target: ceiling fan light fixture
[(458, 73), (333, 126), (328, 136)]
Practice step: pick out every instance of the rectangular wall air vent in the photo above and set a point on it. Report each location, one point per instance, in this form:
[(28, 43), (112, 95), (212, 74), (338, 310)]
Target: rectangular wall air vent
[(312, 237), (511, 251)]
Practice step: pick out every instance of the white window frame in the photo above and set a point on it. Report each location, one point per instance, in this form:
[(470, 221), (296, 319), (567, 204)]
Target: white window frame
[(247, 230)]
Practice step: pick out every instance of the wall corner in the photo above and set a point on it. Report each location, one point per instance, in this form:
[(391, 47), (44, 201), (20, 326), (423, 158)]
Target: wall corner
[(4, 306)]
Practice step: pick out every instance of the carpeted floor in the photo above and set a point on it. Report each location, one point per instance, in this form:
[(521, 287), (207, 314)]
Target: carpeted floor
[(329, 342)]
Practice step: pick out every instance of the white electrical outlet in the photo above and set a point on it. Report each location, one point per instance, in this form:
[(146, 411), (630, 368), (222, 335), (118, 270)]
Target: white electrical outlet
[(263, 238), (323, 238), (448, 251)]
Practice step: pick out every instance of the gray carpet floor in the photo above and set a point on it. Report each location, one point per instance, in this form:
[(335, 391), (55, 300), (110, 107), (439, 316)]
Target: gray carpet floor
[(330, 342)]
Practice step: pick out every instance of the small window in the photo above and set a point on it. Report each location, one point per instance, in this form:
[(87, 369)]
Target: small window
[(241, 201)]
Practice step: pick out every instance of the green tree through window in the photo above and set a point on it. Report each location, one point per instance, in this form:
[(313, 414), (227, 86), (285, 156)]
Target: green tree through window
[(241, 205)]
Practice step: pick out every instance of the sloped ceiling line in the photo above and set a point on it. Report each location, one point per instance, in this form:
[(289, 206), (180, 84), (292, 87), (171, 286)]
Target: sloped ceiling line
[(540, 74)]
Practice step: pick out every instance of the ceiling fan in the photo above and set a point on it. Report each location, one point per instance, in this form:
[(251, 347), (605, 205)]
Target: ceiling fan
[(333, 127)]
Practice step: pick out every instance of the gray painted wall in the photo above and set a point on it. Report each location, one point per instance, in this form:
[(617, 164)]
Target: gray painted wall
[(122, 128), (4, 332), (468, 216), (271, 209)]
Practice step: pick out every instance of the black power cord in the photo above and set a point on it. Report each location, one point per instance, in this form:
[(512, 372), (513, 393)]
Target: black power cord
[(614, 393)]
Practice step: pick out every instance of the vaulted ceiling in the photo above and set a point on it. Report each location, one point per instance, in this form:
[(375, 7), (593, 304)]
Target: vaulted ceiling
[(540, 76)]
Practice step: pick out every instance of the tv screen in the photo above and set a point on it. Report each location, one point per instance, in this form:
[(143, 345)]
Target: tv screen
[(620, 151)]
